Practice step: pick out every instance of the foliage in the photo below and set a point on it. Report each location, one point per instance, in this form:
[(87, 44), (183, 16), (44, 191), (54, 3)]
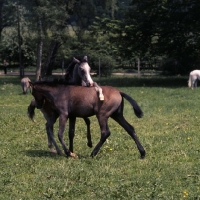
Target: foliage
[(55, 22), (169, 132), (107, 32), (160, 29), (164, 28)]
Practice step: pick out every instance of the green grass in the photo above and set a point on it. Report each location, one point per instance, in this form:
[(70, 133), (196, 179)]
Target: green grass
[(169, 131)]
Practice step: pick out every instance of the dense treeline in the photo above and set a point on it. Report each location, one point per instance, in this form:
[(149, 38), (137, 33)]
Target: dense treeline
[(43, 33)]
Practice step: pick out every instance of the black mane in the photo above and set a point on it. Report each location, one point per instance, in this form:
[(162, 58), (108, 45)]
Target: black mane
[(69, 71), (53, 82)]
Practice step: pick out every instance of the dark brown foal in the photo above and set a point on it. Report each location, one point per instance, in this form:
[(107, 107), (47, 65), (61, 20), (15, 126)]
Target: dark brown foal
[(77, 101)]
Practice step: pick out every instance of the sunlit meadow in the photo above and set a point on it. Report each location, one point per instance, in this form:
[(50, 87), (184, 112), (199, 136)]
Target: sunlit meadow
[(169, 131)]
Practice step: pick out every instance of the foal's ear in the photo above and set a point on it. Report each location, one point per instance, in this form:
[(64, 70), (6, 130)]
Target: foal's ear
[(76, 60), (85, 59)]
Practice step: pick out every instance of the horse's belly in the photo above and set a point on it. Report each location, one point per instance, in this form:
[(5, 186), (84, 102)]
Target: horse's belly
[(82, 112)]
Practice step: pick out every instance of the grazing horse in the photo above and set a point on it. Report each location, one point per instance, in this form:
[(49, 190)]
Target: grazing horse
[(193, 78), (76, 101), (25, 84)]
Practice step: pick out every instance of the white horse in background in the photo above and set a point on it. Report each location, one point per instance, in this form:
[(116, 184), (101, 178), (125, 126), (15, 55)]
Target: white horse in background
[(193, 78), (25, 84)]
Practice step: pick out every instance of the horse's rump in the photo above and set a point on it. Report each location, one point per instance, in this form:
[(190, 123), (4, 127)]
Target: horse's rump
[(193, 78), (25, 84)]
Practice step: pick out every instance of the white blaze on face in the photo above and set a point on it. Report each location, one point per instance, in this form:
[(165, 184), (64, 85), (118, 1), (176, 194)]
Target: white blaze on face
[(87, 77)]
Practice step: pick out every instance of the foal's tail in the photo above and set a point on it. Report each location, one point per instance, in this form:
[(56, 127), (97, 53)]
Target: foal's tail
[(31, 109), (137, 110), (190, 81)]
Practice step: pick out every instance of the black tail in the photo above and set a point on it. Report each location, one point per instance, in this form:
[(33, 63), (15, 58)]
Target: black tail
[(31, 109), (137, 110)]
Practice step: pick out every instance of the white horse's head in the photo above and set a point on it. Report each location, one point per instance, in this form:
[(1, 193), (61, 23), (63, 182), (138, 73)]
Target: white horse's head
[(84, 72)]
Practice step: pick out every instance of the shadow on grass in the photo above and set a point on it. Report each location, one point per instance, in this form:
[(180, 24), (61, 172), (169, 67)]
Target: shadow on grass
[(41, 153)]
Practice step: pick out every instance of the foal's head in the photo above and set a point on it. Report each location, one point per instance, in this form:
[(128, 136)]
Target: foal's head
[(84, 72)]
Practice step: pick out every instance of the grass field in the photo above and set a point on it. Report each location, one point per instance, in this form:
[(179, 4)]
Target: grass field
[(169, 132)]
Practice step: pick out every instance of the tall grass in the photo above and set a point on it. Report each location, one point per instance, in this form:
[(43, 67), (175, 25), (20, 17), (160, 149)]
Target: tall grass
[(169, 131)]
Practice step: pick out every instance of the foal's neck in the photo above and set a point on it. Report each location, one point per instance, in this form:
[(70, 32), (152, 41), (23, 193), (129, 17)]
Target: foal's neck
[(76, 79)]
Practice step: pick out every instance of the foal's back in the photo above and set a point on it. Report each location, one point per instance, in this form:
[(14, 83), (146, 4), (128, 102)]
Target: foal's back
[(84, 101)]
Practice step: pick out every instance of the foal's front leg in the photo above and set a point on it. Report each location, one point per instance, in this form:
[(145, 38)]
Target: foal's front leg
[(51, 141), (89, 139), (62, 124), (51, 119), (72, 121)]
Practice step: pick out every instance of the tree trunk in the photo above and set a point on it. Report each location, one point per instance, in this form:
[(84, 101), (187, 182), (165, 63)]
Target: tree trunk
[(113, 8), (39, 51), (47, 68), (21, 66), (138, 66)]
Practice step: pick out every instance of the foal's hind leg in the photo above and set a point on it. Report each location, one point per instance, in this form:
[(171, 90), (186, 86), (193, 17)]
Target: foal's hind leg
[(89, 140), (130, 130), (105, 133)]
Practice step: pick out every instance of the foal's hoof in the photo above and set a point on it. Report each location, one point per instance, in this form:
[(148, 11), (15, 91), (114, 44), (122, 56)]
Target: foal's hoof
[(73, 155), (89, 145)]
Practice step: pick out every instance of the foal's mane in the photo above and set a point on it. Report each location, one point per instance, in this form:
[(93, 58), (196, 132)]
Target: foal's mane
[(69, 71), (52, 83), (70, 68), (68, 75)]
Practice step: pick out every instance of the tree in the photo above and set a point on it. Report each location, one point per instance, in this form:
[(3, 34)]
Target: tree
[(165, 28), (1, 16), (5, 18), (38, 30), (21, 66), (51, 18)]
